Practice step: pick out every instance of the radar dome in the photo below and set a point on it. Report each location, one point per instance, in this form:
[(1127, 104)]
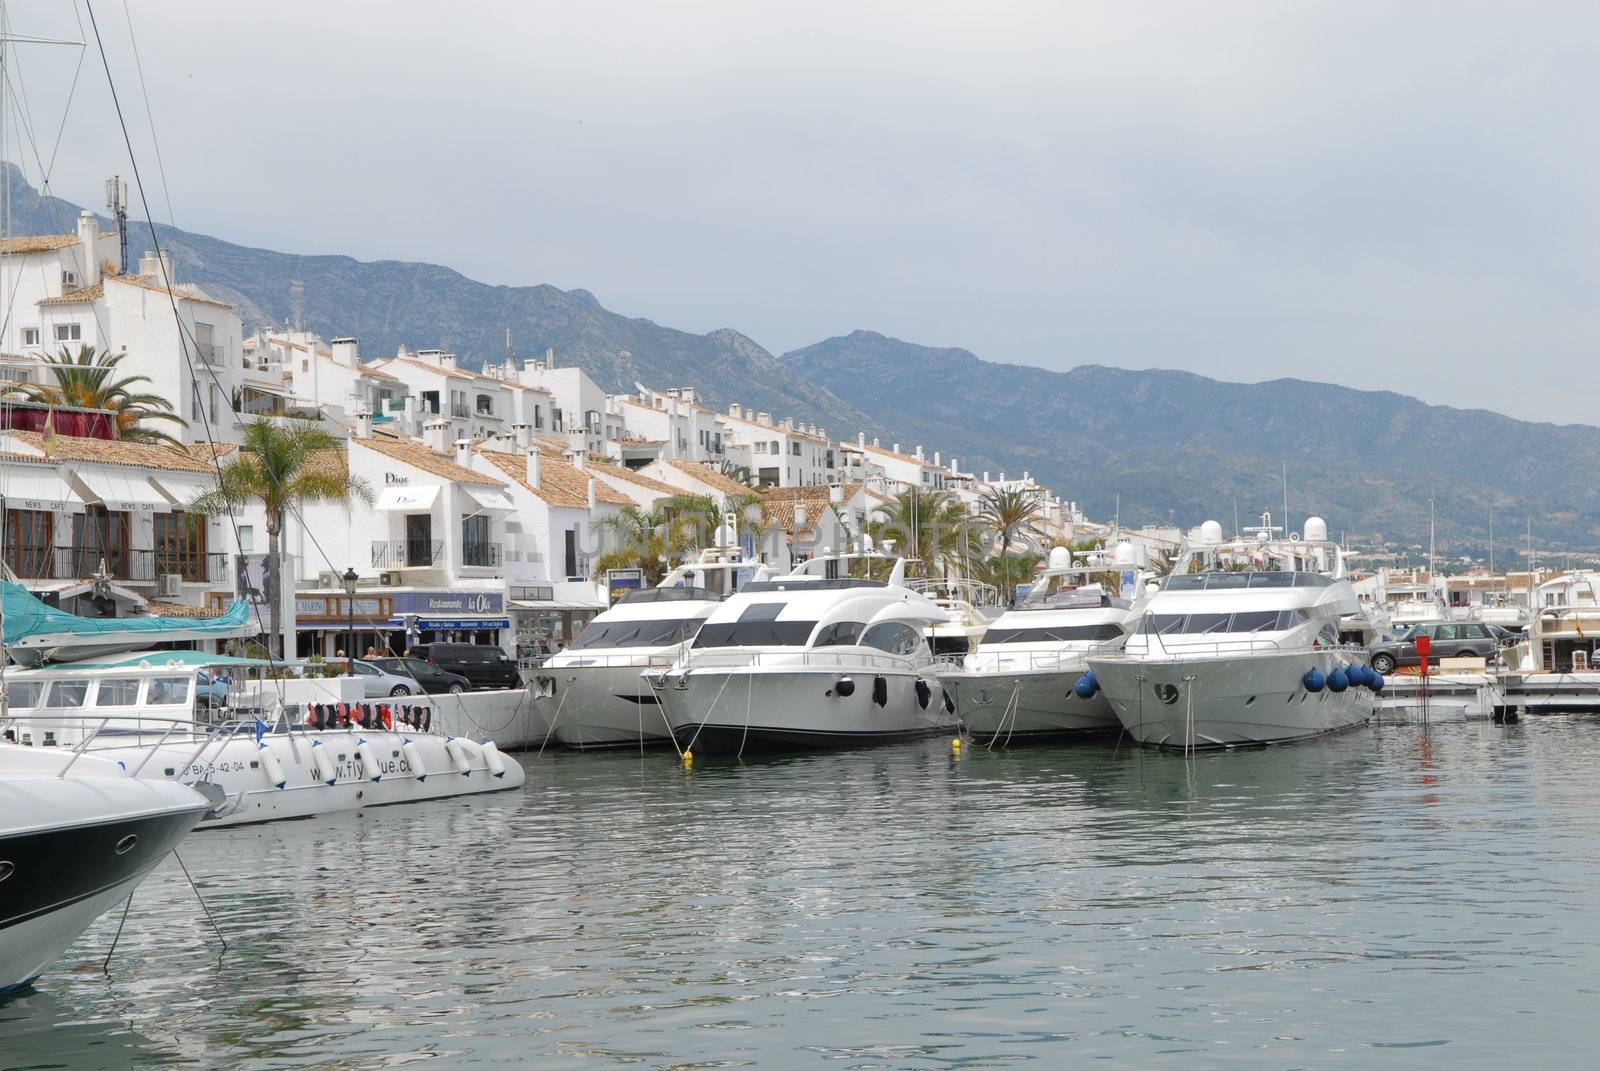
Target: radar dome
[(1127, 554), (1211, 532), (1060, 558), (1316, 530)]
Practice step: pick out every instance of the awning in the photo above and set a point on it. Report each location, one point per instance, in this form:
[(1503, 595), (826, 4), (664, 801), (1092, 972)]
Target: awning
[(532, 606), (408, 499), (180, 490), (34, 487), (121, 492), (490, 499)]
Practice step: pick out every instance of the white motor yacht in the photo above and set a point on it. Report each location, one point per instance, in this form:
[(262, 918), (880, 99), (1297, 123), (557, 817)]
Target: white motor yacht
[(1244, 644), (593, 694), (77, 834), (1022, 681), (813, 659), (277, 747)]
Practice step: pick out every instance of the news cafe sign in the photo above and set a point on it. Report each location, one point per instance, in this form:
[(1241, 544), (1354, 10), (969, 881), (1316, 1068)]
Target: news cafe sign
[(454, 603)]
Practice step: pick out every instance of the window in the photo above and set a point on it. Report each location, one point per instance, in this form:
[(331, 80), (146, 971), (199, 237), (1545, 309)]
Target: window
[(475, 548), (652, 633), (538, 418), (117, 692), (794, 448), (896, 637), (167, 691), (69, 332), (99, 533), (773, 448), (180, 546), (840, 634), (30, 336), (26, 694), (247, 539), (1211, 624), (65, 694), (1445, 632), (30, 542), (486, 405), (1053, 634)]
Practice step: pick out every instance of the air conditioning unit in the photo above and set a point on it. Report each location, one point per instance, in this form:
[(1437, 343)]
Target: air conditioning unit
[(329, 579), (169, 585), (391, 578)]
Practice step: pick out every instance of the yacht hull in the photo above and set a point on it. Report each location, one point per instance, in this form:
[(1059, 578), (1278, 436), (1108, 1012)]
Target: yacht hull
[(1230, 701), (601, 707), (61, 879), (1028, 705), (742, 711), (237, 769)]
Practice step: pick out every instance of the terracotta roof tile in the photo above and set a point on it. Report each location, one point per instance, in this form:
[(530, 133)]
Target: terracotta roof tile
[(44, 243), (419, 456), (781, 503), (113, 452), (181, 291), (76, 297), (709, 476), (560, 484), (622, 472)]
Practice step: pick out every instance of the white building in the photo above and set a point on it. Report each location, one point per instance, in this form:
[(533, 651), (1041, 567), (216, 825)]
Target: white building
[(65, 292), (782, 453)]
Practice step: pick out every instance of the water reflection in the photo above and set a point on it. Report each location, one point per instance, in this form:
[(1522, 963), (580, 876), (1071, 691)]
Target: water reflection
[(1382, 895)]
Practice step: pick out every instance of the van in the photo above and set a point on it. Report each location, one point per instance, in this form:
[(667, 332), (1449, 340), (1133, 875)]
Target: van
[(484, 665)]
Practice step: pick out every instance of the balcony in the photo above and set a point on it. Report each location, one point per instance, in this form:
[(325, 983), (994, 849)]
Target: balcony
[(407, 553), (135, 566), (463, 412), (210, 353), (481, 555)]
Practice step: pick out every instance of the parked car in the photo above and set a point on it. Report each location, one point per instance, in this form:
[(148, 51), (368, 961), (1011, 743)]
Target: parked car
[(483, 665), (429, 676), (376, 683), (211, 689), (1449, 639)]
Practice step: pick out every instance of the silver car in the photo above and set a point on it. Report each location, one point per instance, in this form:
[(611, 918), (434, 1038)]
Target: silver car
[(376, 683)]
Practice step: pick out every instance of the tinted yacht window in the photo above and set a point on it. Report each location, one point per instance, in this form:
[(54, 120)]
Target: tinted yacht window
[(655, 633), (892, 636), (839, 634), (755, 634)]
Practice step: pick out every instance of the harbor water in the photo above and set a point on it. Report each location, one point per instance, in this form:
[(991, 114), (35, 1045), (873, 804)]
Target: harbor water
[(1396, 896)]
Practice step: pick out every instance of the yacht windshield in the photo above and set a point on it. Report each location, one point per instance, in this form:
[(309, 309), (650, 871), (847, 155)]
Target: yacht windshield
[(1052, 634), (755, 634), (1221, 581), (1205, 624), (652, 633)]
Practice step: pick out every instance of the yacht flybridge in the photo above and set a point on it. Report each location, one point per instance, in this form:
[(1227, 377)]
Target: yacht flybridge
[(815, 658), (593, 694), (1244, 643), (1023, 680)]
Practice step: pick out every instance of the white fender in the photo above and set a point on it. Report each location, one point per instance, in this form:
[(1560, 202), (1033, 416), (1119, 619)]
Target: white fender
[(270, 763), (492, 758), (413, 755), (369, 758), (459, 754), (323, 762)]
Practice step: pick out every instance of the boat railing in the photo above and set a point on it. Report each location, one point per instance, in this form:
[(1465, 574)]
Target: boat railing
[(613, 661), (991, 660), (973, 592), (1157, 650), (832, 660)]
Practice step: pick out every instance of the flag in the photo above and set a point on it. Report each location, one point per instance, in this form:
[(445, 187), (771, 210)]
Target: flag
[(261, 728), (49, 433)]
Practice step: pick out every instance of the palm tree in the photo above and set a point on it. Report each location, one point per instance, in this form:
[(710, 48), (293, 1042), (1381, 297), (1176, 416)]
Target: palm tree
[(276, 468), (88, 380), (736, 473), (927, 524), (647, 540), (1011, 514)]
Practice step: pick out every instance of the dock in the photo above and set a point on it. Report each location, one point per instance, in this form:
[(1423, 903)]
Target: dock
[(1489, 694)]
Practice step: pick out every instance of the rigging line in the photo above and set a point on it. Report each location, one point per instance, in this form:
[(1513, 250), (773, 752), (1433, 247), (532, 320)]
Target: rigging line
[(72, 91), (138, 180), (150, 116)]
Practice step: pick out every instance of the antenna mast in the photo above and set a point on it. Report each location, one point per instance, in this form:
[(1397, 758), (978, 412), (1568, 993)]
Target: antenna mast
[(117, 205)]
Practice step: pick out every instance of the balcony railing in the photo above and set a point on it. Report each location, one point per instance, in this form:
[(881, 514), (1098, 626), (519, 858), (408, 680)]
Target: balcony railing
[(209, 352), (137, 566), (481, 555), (407, 553), (463, 411)]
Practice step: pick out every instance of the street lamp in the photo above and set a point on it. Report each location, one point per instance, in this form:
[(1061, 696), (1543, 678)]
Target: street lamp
[(350, 579)]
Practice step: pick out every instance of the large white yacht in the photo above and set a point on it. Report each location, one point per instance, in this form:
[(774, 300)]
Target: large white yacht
[(1244, 643), (1022, 682), (815, 658), (77, 834), (593, 694)]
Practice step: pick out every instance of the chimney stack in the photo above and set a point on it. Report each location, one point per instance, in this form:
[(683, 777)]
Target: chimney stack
[(533, 469), (861, 439), (363, 426), (464, 453), (436, 435), (89, 238), (347, 351), (594, 500), (523, 434), (736, 411), (936, 462)]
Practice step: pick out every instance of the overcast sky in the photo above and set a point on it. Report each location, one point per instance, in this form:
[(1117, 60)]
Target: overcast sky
[(1346, 192)]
